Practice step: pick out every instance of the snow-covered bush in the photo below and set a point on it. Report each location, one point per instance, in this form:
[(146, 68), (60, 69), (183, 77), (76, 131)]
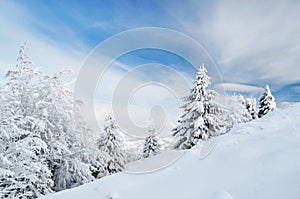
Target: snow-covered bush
[(237, 111), (133, 150)]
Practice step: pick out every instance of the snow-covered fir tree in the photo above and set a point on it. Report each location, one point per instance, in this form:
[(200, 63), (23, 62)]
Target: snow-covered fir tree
[(30, 177), (266, 103), (110, 143), (237, 110), (72, 172), (40, 140), (151, 145), (57, 116), (251, 107), (203, 115), (23, 150), (95, 160)]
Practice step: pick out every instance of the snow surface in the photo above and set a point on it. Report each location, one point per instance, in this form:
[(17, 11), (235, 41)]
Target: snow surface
[(259, 159)]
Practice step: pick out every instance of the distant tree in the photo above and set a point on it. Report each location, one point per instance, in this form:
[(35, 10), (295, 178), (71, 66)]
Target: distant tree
[(266, 102), (251, 107), (151, 145), (111, 143), (203, 116)]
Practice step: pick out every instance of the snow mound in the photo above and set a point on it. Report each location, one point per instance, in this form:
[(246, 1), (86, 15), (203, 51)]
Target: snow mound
[(259, 159)]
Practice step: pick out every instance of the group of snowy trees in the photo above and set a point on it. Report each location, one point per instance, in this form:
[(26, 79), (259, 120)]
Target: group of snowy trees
[(204, 117), (244, 110), (42, 137)]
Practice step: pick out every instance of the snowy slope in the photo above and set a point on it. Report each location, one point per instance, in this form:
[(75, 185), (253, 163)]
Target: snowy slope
[(260, 160)]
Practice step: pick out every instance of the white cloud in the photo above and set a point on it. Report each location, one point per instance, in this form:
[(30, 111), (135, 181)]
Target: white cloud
[(240, 88), (251, 41), (258, 40), (139, 90), (46, 53)]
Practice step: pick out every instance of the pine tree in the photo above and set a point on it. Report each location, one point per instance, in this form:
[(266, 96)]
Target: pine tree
[(203, 116), (110, 143), (151, 145), (266, 102), (251, 107)]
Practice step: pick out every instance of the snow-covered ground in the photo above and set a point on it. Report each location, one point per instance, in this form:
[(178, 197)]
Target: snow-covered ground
[(259, 159)]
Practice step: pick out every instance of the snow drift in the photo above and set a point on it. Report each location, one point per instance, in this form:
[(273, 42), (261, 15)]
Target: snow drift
[(259, 159)]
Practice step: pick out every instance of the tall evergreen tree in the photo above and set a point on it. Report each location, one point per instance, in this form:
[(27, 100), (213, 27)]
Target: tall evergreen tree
[(110, 143), (57, 125), (203, 116), (40, 142), (22, 149), (266, 103), (151, 145)]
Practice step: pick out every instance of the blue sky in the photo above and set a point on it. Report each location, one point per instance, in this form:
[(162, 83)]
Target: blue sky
[(253, 43)]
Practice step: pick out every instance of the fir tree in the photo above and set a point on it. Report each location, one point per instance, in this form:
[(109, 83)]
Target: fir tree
[(151, 145), (266, 102), (203, 116), (110, 143)]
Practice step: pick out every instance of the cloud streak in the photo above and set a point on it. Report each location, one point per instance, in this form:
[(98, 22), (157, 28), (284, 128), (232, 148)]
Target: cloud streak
[(232, 87), (253, 42), (258, 41), (47, 53)]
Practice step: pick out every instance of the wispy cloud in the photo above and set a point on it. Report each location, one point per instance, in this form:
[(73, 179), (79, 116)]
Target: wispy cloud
[(232, 87), (253, 42), (138, 91), (47, 53), (258, 41)]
